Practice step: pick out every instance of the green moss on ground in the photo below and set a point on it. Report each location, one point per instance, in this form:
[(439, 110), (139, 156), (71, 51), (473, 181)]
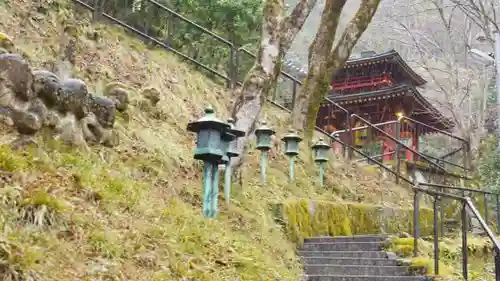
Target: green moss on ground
[(307, 218), (480, 251), (133, 212)]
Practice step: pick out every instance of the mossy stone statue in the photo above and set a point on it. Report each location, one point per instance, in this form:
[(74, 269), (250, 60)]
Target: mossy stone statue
[(15, 74), (75, 98), (104, 110), (47, 86)]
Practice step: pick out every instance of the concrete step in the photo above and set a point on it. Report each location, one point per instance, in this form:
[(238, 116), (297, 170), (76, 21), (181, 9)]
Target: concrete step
[(348, 261), (356, 270), (365, 278), (343, 246), (344, 254), (359, 238)]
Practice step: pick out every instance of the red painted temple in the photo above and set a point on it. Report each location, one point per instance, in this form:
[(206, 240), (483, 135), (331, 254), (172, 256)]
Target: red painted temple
[(379, 88)]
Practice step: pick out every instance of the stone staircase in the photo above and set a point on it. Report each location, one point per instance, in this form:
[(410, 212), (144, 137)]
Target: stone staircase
[(356, 258)]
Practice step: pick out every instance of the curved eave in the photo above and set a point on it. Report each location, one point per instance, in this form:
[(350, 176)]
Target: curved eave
[(385, 57), (391, 92)]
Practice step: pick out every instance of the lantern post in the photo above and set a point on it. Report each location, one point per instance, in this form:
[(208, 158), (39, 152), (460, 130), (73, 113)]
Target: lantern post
[(320, 151), (232, 152), (263, 134), (209, 131), (291, 141)]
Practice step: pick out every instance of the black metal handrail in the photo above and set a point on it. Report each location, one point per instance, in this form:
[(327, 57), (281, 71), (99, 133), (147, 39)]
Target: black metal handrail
[(366, 127), (398, 142), (449, 154), (484, 193), (233, 65), (459, 188), (378, 163), (232, 79), (378, 156), (466, 203), (435, 129)]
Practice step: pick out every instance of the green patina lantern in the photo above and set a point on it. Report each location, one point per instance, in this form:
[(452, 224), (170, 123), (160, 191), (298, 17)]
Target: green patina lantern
[(226, 138), (210, 148), (320, 151), (231, 151), (292, 141), (209, 132), (263, 134)]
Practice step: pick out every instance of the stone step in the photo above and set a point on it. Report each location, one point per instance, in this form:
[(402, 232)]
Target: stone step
[(359, 238), (348, 261), (344, 254), (343, 246), (365, 278), (356, 270)]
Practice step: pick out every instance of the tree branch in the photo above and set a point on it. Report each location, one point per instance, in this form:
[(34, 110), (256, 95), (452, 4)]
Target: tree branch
[(352, 33), (293, 23), (325, 36)]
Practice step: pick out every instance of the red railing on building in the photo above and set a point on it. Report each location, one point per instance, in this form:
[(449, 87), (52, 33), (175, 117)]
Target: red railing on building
[(361, 81)]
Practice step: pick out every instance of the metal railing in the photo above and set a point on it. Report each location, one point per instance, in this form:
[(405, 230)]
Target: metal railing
[(399, 146), (465, 203), (441, 159), (432, 161), (99, 12), (485, 195), (235, 52), (96, 6)]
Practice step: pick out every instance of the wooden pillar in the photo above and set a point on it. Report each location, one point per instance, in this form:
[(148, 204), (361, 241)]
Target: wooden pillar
[(416, 141)]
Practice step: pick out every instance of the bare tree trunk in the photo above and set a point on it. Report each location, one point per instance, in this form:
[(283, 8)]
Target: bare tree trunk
[(324, 62), (277, 35)]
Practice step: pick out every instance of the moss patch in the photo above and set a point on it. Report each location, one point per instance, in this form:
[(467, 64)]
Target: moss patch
[(308, 218)]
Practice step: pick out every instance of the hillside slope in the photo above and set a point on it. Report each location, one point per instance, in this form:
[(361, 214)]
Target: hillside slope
[(133, 212)]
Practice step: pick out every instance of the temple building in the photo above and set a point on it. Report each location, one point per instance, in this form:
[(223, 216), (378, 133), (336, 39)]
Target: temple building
[(379, 88)]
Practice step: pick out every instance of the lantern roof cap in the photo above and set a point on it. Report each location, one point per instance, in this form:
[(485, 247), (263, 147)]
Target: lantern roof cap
[(321, 144), (209, 121), (264, 129), (233, 130), (291, 135)]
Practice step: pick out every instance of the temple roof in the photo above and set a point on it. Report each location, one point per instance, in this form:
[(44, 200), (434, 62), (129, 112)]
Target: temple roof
[(383, 58), (402, 90)]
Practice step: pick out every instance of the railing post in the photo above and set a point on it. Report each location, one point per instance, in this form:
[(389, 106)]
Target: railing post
[(416, 222), (98, 5), (498, 212), (398, 150), (441, 211), (466, 157), (350, 136), (232, 66), (436, 235), (497, 265), (294, 93), (485, 198), (464, 241)]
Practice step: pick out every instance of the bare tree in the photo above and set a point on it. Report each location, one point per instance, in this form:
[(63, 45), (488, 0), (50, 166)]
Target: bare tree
[(457, 84), (484, 13), (326, 56), (278, 33)]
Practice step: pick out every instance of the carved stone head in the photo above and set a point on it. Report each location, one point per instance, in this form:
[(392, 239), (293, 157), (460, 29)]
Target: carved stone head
[(104, 110), (15, 74), (47, 87), (75, 98)]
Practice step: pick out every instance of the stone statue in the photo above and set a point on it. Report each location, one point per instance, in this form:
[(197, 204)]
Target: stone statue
[(32, 100)]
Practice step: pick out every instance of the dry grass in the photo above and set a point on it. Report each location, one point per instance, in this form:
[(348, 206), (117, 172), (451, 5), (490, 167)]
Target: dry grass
[(134, 212)]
